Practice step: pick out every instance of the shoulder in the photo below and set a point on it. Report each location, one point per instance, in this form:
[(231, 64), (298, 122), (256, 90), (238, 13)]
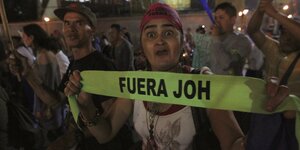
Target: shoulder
[(100, 57), (46, 57)]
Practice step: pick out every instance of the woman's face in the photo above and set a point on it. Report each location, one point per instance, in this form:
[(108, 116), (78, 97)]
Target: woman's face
[(162, 44), (27, 40)]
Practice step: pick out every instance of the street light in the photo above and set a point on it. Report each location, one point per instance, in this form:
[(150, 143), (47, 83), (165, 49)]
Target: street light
[(46, 19), (243, 15), (245, 11), (240, 13)]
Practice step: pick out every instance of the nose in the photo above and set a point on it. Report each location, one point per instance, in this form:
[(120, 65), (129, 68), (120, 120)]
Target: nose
[(160, 39), (70, 27)]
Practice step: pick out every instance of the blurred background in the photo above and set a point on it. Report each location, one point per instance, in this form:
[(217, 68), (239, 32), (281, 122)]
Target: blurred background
[(128, 13)]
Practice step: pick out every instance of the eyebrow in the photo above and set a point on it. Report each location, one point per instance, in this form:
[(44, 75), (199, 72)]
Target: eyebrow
[(154, 26), (74, 20)]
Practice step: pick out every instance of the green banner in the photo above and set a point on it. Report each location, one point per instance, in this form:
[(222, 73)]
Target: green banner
[(208, 91)]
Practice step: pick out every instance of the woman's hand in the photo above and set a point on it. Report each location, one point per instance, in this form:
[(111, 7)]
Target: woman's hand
[(18, 64)]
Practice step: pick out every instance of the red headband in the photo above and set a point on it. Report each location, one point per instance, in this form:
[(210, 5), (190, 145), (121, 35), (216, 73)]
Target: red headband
[(160, 10)]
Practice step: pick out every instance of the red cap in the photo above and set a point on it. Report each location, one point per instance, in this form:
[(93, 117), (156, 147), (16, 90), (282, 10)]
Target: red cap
[(160, 10)]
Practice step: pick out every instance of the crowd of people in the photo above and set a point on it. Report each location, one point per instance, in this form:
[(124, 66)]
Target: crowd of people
[(47, 69)]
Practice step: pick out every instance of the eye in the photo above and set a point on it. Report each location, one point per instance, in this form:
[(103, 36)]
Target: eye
[(151, 35), (168, 33), (66, 23), (79, 23)]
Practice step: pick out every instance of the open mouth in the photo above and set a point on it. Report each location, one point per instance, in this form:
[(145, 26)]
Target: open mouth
[(162, 52), (72, 37)]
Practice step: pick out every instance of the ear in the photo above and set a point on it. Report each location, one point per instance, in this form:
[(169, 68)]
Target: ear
[(90, 30), (31, 37)]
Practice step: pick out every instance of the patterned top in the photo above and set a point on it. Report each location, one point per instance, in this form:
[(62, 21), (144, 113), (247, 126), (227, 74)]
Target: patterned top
[(201, 56), (173, 129), (49, 117), (171, 132), (228, 54)]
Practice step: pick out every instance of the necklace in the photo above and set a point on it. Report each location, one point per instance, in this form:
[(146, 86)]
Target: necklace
[(151, 115)]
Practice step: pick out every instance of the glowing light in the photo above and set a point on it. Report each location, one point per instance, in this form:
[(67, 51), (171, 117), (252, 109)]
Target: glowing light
[(203, 26), (239, 28), (285, 7), (290, 16), (245, 11), (240, 13), (46, 19)]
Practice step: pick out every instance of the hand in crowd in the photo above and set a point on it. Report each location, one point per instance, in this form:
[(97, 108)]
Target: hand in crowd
[(18, 64), (277, 93), (266, 6), (74, 86)]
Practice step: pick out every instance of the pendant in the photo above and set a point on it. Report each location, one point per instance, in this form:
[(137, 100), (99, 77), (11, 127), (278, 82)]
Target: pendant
[(151, 144)]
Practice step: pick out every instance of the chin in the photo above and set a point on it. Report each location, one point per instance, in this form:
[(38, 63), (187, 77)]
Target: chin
[(72, 44), (165, 67)]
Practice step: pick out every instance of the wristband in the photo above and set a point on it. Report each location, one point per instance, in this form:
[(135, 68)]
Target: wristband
[(92, 122)]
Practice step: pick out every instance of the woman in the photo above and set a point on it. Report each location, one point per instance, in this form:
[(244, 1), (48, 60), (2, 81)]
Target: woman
[(47, 110), (161, 126)]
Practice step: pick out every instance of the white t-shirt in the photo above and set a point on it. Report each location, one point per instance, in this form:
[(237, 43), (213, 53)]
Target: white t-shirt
[(171, 132), (63, 62), (28, 53)]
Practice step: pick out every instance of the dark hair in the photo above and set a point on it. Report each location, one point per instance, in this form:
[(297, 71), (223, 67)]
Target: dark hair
[(40, 35), (228, 8), (54, 44), (116, 26)]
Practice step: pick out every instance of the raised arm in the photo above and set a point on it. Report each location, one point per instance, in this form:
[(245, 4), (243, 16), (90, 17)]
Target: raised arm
[(290, 25), (254, 24), (19, 65)]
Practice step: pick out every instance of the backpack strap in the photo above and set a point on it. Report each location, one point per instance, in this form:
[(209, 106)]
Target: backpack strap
[(287, 74)]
